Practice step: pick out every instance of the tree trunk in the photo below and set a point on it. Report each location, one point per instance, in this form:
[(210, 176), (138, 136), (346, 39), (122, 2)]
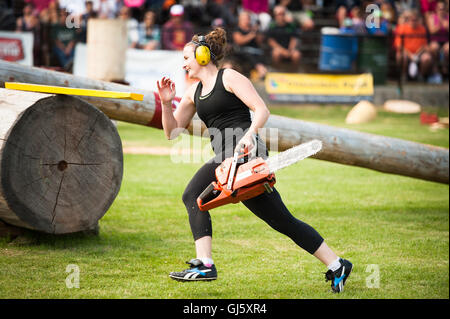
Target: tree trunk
[(61, 162), (380, 153)]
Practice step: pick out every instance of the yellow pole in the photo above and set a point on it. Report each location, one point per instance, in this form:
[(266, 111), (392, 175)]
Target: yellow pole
[(73, 91)]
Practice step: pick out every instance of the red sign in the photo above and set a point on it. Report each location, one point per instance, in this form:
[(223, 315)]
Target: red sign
[(11, 49)]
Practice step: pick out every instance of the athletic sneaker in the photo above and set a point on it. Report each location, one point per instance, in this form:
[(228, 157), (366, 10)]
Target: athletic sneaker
[(339, 277), (197, 271)]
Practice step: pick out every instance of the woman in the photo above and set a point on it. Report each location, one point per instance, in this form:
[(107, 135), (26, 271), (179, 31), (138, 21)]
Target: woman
[(149, 33), (222, 99), (29, 22)]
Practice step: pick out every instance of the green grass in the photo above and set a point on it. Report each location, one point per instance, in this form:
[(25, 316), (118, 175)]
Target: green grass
[(399, 224)]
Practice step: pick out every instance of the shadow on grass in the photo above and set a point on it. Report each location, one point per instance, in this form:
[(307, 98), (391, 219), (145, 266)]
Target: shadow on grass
[(90, 240)]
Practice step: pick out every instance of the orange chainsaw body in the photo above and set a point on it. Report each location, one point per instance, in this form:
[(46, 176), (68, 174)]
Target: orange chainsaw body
[(251, 179)]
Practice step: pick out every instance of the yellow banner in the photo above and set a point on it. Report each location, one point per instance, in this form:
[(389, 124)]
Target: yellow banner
[(319, 84)]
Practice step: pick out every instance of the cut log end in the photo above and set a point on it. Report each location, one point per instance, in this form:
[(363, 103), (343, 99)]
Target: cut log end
[(61, 166)]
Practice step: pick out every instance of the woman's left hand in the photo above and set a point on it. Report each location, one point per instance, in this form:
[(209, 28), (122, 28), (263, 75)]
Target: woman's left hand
[(247, 141)]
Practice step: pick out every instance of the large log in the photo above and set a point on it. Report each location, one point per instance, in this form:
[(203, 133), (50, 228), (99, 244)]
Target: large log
[(380, 153), (61, 162)]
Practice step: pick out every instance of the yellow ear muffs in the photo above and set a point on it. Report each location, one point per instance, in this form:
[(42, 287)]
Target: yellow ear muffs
[(202, 54)]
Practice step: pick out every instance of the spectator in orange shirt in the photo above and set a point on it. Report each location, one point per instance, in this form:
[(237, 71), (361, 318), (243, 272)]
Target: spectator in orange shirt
[(412, 53)]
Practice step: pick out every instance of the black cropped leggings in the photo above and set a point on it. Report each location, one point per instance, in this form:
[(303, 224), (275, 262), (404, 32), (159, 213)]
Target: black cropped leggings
[(268, 207)]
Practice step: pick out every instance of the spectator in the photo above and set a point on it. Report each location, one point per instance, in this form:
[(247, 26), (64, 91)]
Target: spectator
[(427, 7), (411, 46), (221, 9), (402, 6), (108, 9), (132, 26), (54, 10), (437, 24), (343, 9), (40, 5), (49, 17), (247, 39), (63, 41), (149, 33), (29, 22), (88, 14), (296, 8), (358, 25), (74, 7), (282, 39), (176, 32), (195, 11), (259, 10), (383, 27)]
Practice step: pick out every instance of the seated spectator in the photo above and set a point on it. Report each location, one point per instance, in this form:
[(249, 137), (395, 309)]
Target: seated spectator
[(410, 42), (401, 6), (247, 39), (259, 10), (297, 9), (220, 9), (343, 9), (427, 7), (39, 5), (358, 23), (108, 9), (195, 11), (149, 33), (437, 24), (281, 37), (383, 26), (29, 22), (176, 32), (132, 26), (63, 41)]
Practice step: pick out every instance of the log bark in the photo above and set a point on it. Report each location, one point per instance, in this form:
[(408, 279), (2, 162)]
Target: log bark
[(380, 153), (61, 162)]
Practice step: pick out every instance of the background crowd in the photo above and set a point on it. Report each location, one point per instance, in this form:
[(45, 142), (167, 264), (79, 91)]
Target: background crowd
[(262, 33)]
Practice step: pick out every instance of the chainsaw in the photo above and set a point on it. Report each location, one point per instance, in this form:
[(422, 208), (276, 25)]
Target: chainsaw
[(242, 177)]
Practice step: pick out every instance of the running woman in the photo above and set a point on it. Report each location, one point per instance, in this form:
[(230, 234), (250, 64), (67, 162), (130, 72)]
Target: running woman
[(223, 99)]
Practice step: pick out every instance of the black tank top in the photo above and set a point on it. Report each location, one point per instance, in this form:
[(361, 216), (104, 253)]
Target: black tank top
[(221, 110)]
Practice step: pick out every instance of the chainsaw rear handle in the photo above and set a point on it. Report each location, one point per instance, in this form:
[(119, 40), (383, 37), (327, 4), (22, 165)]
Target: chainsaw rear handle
[(243, 149), (208, 194)]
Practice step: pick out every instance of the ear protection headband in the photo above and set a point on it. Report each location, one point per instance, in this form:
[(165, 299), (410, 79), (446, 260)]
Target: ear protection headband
[(202, 51)]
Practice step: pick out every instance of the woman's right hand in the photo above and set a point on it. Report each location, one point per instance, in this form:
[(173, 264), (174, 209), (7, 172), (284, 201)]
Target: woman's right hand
[(166, 90)]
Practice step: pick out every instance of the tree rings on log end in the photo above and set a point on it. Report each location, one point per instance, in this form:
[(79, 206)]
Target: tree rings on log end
[(61, 165)]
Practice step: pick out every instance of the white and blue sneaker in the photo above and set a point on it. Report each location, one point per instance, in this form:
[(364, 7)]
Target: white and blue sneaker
[(339, 277), (197, 272)]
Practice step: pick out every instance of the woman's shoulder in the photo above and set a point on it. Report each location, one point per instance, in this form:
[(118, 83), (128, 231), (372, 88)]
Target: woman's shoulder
[(232, 75), (232, 78)]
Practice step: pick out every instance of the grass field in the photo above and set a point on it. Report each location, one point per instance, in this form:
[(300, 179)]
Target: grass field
[(393, 227)]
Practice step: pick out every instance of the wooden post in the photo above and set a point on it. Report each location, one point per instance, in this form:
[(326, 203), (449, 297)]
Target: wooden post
[(380, 153), (106, 49), (61, 162)]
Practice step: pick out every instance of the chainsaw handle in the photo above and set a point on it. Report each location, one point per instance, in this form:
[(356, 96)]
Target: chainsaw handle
[(207, 191), (243, 149)]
